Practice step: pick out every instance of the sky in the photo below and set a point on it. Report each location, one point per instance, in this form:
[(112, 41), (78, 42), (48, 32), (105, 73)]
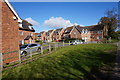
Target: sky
[(52, 15)]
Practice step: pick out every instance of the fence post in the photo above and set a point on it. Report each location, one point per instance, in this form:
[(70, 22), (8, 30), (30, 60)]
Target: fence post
[(69, 42), (41, 49), (30, 52), (49, 47), (1, 65), (55, 46), (19, 56), (63, 43)]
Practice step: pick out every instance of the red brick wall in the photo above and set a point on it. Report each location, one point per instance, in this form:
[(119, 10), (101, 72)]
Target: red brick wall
[(77, 35), (61, 34), (10, 35), (43, 36), (95, 34), (0, 26), (87, 35)]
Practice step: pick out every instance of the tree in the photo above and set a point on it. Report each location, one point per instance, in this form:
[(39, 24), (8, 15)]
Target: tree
[(110, 22)]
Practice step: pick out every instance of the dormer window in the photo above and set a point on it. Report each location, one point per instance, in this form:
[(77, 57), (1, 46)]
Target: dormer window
[(83, 31), (20, 25), (31, 34), (14, 18), (30, 27), (86, 31)]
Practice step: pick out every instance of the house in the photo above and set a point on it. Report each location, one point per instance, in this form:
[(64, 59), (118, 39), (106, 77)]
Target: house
[(92, 33), (37, 36), (42, 35), (72, 32), (9, 33), (26, 32), (58, 33), (49, 36)]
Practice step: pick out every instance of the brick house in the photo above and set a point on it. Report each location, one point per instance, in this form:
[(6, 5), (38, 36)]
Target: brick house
[(72, 32), (37, 36), (92, 33), (49, 36), (58, 33), (10, 33), (42, 35), (26, 32)]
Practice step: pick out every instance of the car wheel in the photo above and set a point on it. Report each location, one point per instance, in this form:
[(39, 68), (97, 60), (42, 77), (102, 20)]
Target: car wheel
[(39, 49), (24, 53)]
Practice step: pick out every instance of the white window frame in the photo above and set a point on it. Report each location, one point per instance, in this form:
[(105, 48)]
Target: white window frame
[(31, 34)]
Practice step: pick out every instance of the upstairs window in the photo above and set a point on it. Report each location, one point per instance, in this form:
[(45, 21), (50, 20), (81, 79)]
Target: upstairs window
[(74, 32), (21, 33), (66, 31), (86, 31), (99, 32), (30, 27), (83, 31), (22, 42), (31, 34), (99, 37), (20, 25)]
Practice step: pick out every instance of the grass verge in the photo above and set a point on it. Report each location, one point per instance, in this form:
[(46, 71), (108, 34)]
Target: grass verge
[(71, 62)]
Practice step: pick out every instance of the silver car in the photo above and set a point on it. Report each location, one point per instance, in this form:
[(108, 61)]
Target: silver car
[(27, 48), (75, 42)]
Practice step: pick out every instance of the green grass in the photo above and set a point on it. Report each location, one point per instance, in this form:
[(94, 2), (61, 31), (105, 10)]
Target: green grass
[(114, 41), (75, 62)]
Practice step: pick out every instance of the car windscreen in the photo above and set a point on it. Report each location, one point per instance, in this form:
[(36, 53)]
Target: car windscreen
[(24, 46)]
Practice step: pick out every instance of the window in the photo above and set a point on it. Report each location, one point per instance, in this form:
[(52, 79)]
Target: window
[(32, 45), (21, 33), (86, 31), (30, 27), (83, 31), (74, 32), (21, 41), (31, 34), (20, 25), (99, 37), (99, 32)]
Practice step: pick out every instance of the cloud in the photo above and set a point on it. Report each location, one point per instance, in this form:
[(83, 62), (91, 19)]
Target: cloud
[(82, 25), (33, 22), (57, 22)]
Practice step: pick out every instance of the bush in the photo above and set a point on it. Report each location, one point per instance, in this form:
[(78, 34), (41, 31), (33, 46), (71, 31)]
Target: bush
[(37, 40)]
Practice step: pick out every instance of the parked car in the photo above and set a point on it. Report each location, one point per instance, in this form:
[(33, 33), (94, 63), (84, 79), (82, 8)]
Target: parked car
[(75, 42), (27, 48)]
